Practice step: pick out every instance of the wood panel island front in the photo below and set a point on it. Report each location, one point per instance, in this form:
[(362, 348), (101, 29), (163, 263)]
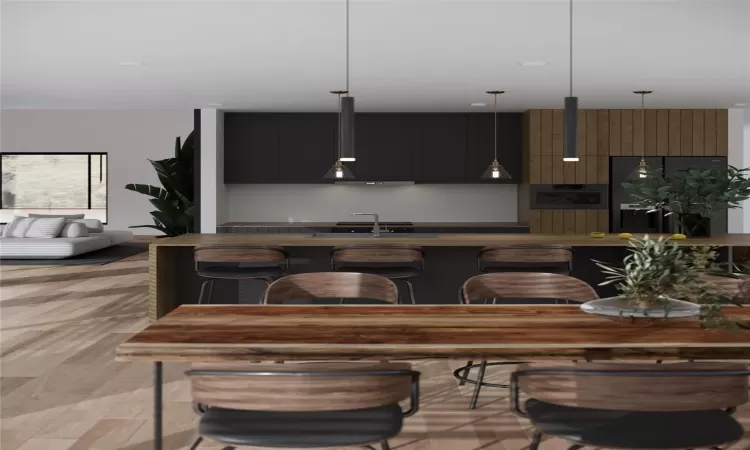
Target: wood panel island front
[(450, 260)]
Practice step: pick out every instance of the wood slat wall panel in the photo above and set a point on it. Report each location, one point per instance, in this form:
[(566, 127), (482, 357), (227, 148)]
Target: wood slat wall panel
[(603, 169), (722, 132), (557, 132), (686, 132), (558, 174), (662, 132), (709, 135), (650, 132), (698, 132), (580, 221), (581, 169), (535, 132), (546, 169), (592, 221), (592, 169), (603, 220), (603, 132), (547, 221), (614, 132), (569, 171), (592, 128), (582, 133), (535, 169), (628, 132), (569, 221), (675, 148), (535, 221), (558, 226), (546, 132)]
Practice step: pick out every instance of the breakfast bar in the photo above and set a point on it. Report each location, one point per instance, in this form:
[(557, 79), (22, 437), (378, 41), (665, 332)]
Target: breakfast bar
[(450, 259)]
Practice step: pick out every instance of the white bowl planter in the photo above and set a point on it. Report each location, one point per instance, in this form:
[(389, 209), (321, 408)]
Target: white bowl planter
[(621, 307)]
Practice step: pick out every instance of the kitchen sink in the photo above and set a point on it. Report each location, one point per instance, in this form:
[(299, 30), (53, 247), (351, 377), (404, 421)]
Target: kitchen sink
[(369, 235)]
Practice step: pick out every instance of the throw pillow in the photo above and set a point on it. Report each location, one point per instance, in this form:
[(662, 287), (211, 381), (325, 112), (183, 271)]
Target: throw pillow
[(44, 227), (93, 225), (74, 229), (14, 227), (68, 216)]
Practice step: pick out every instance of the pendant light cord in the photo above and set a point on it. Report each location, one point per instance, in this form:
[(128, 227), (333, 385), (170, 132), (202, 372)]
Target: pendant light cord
[(643, 126), (338, 141), (347, 47), (571, 48), (496, 127)]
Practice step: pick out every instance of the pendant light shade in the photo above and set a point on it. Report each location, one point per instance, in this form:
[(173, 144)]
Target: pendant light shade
[(641, 171), (496, 171), (570, 114), (347, 129), (339, 172)]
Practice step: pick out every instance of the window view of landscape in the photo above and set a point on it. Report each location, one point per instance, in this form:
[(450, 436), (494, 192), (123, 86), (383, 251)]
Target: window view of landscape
[(54, 184)]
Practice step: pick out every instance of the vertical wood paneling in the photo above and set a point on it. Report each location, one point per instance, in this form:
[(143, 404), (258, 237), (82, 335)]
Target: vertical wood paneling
[(628, 132), (686, 132), (546, 169), (558, 225), (557, 169), (580, 221), (569, 171), (722, 132), (602, 135), (592, 128), (535, 169), (557, 132), (603, 169), (675, 119), (581, 138), (709, 136), (535, 132), (592, 169), (547, 219), (546, 132), (603, 220), (698, 132), (614, 132), (650, 132), (581, 169), (592, 220), (535, 221), (569, 221), (662, 132)]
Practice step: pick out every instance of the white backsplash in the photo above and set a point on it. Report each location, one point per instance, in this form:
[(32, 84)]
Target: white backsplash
[(333, 203)]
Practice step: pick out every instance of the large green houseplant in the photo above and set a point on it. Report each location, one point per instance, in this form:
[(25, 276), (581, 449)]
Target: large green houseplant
[(694, 196), (174, 201)]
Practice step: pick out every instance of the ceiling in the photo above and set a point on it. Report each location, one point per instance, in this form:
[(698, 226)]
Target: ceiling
[(406, 55)]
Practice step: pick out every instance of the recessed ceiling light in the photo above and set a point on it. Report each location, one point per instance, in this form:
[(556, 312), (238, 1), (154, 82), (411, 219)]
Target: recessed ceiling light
[(534, 63), (479, 104), (215, 105), (741, 105), (131, 63)]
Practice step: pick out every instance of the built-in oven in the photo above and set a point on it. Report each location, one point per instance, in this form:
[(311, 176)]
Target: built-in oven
[(569, 196), (635, 218)]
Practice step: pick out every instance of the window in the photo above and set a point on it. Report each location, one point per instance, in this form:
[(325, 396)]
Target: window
[(54, 183)]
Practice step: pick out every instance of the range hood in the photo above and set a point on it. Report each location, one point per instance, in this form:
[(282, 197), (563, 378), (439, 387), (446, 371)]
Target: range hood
[(375, 183)]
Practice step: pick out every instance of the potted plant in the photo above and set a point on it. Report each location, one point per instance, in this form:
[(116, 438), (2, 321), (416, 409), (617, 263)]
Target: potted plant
[(658, 275), (175, 210), (694, 196)]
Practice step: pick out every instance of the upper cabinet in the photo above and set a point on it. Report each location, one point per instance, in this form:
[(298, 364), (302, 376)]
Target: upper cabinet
[(425, 148)]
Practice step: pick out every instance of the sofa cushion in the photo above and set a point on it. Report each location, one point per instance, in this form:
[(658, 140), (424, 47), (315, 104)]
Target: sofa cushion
[(14, 226), (74, 229), (65, 216), (44, 227), (93, 225)]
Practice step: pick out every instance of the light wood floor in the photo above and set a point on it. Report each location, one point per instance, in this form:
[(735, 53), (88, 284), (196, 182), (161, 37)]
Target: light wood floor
[(61, 388)]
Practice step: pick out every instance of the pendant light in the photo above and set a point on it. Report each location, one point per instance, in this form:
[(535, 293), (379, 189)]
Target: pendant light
[(641, 171), (339, 172), (570, 115), (496, 171), (347, 109)]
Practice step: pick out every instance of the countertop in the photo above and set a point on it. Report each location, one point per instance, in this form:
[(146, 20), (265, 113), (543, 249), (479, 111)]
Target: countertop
[(369, 224), (434, 240)]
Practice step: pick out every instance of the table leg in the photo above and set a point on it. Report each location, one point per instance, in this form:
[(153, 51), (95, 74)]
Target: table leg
[(158, 409)]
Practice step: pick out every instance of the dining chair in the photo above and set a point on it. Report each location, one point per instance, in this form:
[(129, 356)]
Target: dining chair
[(397, 262), (264, 263), (526, 258), (516, 288), (635, 406), (332, 288), (302, 405)]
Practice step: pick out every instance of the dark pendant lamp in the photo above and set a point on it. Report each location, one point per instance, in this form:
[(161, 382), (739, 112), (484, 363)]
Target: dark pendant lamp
[(570, 115), (339, 172), (641, 171), (496, 171), (347, 109)]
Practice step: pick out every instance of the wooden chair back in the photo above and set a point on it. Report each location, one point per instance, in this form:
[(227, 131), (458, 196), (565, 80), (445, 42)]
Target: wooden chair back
[(639, 393), (523, 285), (331, 285), (527, 254), (239, 254), (377, 253), (300, 392)]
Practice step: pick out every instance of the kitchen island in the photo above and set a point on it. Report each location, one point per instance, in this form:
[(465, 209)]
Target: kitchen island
[(450, 260)]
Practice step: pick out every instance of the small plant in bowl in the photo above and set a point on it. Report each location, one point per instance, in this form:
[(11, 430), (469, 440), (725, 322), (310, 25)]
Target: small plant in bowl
[(658, 277)]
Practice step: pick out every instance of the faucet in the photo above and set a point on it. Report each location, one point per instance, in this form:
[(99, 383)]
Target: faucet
[(376, 226)]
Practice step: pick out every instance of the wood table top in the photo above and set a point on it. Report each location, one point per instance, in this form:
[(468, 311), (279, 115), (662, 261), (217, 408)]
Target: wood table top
[(438, 240), (256, 332)]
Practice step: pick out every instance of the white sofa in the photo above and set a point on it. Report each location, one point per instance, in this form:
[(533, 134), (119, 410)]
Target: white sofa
[(59, 247)]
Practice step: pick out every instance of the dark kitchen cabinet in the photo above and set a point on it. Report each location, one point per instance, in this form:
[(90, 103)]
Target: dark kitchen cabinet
[(307, 146), (481, 146), (384, 147), (251, 148), (441, 153)]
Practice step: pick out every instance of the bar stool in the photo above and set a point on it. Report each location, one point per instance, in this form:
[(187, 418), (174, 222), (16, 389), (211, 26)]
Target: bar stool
[(393, 261), (332, 288), (238, 263), (526, 258), (517, 288), (302, 405)]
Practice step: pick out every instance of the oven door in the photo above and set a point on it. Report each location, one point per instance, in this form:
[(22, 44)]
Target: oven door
[(569, 196)]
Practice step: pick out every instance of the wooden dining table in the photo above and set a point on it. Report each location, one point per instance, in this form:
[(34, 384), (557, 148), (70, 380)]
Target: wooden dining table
[(196, 333)]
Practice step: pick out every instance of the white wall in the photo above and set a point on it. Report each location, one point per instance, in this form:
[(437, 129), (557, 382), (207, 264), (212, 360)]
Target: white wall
[(332, 203), (129, 136), (213, 208), (739, 156)]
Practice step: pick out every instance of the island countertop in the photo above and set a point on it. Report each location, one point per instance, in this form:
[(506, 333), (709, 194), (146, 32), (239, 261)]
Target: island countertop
[(434, 240), (369, 224)]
